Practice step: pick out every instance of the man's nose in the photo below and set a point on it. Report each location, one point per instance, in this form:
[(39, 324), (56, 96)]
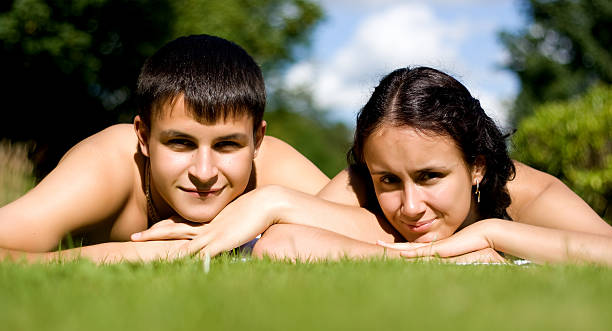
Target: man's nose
[(204, 166)]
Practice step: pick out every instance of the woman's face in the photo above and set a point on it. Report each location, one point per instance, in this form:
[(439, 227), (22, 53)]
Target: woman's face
[(423, 184)]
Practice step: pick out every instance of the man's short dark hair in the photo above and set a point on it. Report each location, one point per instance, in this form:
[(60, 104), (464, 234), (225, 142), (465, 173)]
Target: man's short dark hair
[(217, 78)]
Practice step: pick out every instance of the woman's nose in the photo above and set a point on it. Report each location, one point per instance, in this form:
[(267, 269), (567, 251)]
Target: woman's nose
[(413, 205)]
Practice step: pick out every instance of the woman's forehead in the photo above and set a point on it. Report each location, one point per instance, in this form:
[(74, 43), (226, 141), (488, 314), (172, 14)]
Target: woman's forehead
[(405, 144)]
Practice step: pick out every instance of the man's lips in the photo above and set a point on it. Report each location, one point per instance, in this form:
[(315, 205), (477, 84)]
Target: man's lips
[(206, 192)]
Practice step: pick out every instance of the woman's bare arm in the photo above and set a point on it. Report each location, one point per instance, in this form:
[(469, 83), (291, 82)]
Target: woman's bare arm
[(543, 200), (304, 243), (535, 243)]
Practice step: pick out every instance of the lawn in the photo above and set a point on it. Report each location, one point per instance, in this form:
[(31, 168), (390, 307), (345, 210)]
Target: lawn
[(245, 294)]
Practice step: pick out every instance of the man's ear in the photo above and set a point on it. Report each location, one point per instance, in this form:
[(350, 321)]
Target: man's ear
[(479, 169), (260, 132), (142, 131)]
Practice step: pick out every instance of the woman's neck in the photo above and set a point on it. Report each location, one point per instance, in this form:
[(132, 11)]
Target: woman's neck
[(472, 217)]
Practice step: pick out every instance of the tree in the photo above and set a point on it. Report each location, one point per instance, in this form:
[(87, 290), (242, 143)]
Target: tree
[(294, 118), (564, 51), (572, 140), (264, 29), (69, 68)]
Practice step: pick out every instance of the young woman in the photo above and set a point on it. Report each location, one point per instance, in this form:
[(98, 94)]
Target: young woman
[(197, 144), (429, 161)]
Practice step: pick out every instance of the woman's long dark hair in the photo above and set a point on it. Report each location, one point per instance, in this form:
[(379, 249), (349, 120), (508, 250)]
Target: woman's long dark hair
[(432, 101)]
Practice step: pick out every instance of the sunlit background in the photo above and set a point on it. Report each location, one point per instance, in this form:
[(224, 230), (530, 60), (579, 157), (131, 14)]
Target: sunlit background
[(541, 68), (359, 41)]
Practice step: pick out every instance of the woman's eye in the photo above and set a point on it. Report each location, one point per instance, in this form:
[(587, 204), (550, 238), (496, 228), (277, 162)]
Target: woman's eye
[(388, 179), (429, 176)]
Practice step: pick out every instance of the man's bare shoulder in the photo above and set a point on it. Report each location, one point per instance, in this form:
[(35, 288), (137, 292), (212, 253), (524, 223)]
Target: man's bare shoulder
[(115, 143), (96, 181), (278, 163)]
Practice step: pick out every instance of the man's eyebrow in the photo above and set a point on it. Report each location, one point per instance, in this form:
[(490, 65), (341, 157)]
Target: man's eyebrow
[(174, 133), (233, 136)]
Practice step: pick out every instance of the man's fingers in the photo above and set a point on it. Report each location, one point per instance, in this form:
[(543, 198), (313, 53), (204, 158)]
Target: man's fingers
[(163, 223), (169, 231), (191, 247)]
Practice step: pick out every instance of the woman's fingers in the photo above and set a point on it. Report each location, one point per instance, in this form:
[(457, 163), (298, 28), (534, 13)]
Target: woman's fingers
[(453, 246), (400, 246), (487, 255)]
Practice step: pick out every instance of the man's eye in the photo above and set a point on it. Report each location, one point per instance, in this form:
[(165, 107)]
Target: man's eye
[(180, 143), (227, 145)]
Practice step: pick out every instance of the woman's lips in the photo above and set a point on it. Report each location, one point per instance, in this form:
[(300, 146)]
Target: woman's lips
[(420, 227)]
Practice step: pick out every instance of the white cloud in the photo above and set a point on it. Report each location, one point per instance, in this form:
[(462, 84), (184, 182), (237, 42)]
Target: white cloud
[(369, 4), (402, 35), (492, 105)]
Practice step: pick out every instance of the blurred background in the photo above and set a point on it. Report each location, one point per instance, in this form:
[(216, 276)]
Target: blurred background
[(541, 68)]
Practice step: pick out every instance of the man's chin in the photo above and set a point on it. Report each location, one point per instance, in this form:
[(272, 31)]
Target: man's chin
[(200, 217)]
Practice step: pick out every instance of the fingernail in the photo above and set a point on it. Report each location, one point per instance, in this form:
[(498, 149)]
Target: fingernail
[(136, 236)]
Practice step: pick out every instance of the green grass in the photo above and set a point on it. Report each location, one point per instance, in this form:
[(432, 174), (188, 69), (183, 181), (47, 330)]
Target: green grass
[(16, 169), (266, 295)]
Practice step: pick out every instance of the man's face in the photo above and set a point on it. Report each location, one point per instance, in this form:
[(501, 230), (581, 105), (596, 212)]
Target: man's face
[(197, 169)]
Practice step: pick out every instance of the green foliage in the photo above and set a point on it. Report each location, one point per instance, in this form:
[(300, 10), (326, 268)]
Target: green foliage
[(66, 62), (564, 51), (264, 295), (573, 141), (270, 30), (296, 120)]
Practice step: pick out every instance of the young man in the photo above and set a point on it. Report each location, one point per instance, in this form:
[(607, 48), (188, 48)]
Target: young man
[(197, 144)]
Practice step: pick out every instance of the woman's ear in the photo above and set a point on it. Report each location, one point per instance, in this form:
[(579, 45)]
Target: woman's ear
[(260, 132), (479, 169), (142, 131)]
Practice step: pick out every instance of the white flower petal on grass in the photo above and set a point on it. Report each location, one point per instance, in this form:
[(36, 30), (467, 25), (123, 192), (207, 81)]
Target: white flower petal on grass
[(206, 263)]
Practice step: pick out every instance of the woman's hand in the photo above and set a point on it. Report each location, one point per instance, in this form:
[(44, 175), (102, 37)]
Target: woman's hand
[(468, 245), (170, 229)]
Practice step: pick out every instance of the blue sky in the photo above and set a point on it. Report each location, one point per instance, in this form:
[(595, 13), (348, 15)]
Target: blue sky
[(361, 40)]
